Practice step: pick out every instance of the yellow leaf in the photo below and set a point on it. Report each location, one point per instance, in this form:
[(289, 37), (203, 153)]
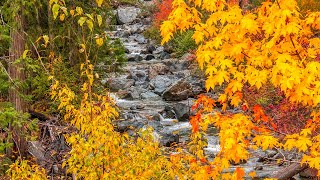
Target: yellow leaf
[(99, 2), (99, 41), (55, 10), (79, 11), (99, 18), (62, 16), (90, 24), (24, 55), (72, 12), (82, 20), (252, 174)]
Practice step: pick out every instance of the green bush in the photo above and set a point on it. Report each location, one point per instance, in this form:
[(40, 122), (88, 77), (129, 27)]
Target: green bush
[(182, 43)]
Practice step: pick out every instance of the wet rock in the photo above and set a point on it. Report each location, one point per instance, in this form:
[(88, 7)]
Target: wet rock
[(150, 49), (138, 75), (139, 38), (150, 96), (169, 139), (126, 15), (183, 110), (258, 168), (183, 74), (36, 150), (271, 153), (139, 106), (136, 28), (116, 84), (136, 92), (168, 112), (181, 128), (164, 55), (124, 94), (149, 57), (160, 83), (123, 126), (156, 125), (180, 90), (158, 50), (157, 69), (213, 147), (168, 122), (134, 57)]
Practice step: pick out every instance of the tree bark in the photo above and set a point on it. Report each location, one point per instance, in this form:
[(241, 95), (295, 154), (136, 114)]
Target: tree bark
[(16, 70), (16, 73)]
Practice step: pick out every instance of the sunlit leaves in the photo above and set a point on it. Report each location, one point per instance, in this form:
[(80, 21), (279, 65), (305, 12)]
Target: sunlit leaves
[(99, 18), (99, 2), (266, 141), (82, 20), (55, 10)]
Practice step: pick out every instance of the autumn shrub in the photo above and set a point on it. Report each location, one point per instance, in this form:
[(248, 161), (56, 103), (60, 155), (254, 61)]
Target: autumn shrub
[(22, 170), (263, 47), (287, 118), (164, 8)]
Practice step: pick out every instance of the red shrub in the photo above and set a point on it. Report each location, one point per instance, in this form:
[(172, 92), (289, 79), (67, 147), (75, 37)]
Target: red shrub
[(164, 8)]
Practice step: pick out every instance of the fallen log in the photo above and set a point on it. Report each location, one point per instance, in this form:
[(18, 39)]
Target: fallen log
[(38, 115), (289, 171)]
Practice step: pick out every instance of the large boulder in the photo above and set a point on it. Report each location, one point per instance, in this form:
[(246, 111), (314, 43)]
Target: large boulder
[(180, 90), (161, 82), (126, 15), (116, 84), (157, 69), (183, 109), (138, 75)]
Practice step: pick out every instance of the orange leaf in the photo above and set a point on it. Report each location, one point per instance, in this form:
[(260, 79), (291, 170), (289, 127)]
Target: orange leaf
[(240, 173)]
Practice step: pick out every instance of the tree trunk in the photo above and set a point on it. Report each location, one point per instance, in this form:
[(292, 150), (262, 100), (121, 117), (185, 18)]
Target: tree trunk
[(16, 70), (289, 171)]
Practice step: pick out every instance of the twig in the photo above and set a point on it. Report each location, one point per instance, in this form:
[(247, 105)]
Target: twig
[(295, 48)]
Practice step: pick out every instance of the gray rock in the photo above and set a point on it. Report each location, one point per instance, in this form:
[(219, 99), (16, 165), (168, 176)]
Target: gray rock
[(180, 90), (126, 15), (134, 57), (157, 69), (149, 57), (116, 84), (156, 125), (183, 109), (164, 55), (160, 83), (139, 38), (150, 96), (123, 126), (136, 92), (168, 139), (138, 75), (124, 94), (150, 49), (168, 112)]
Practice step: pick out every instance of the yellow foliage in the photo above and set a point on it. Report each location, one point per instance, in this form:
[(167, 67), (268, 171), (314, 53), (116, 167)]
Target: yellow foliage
[(274, 44), (23, 171)]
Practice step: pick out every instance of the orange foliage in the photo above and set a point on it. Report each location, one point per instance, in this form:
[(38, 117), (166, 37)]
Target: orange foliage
[(164, 9)]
